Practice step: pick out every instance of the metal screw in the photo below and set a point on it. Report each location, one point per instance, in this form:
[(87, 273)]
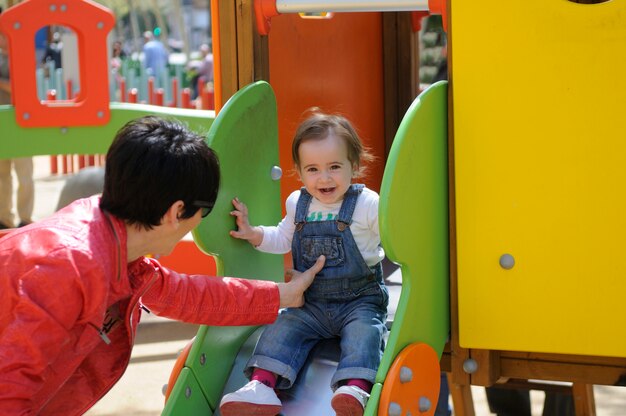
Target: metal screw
[(53, 7), (276, 173), (470, 366), (100, 114), (26, 116), (63, 7), (202, 359), (17, 25), (507, 261), (188, 392), (63, 130), (100, 25), (394, 409), (406, 375), (424, 404)]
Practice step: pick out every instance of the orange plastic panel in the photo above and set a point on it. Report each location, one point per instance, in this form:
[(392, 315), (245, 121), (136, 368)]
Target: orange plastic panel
[(264, 10), (413, 380), (91, 22), (187, 258), (178, 366), (334, 64), (439, 7)]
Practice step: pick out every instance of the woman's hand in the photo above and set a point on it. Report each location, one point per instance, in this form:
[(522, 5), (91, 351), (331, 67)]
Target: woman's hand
[(292, 293)]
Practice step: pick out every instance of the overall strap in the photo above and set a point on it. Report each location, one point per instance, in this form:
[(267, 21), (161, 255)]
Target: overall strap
[(302, 207), (344, 219)]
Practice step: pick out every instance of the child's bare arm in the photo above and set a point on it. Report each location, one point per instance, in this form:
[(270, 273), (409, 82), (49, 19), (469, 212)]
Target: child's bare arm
[(245, 231)]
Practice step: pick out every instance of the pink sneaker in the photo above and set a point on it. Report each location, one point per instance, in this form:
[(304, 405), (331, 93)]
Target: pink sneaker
[(349, 401), (253, 399)]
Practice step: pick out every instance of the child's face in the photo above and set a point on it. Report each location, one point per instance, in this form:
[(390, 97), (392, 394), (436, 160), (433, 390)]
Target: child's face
[(325, 169)]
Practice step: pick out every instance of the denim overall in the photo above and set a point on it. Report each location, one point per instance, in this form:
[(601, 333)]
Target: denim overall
[(347, 300)]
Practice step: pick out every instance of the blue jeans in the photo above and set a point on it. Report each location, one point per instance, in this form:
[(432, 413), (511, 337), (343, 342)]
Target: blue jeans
[(443, 405), (285, 345)]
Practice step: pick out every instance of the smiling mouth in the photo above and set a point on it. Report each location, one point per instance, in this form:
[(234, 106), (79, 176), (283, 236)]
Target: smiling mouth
[(326, 191)]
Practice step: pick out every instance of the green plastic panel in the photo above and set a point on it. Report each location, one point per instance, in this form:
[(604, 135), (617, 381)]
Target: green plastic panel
[(371, 409), (186, 397), (413, 218), (245, 136), (212, 357), (21, 141)]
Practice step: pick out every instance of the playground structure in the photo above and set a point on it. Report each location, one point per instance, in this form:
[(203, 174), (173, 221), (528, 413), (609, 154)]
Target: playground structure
[(507, 195), (128, 82), (135, 87)]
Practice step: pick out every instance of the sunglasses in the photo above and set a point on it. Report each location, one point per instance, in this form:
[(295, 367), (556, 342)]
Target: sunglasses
[(205, 206)]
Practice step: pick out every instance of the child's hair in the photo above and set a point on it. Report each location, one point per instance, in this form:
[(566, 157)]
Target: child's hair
[(319, 126)]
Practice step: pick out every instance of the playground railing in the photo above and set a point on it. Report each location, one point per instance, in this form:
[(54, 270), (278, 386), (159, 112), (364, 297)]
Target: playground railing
[(128, 83)]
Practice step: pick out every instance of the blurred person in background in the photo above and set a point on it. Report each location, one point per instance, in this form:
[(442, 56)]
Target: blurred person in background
[(155, 57)]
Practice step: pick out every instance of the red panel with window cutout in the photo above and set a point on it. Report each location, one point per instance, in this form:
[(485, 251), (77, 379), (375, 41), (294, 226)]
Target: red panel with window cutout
[(91, 22)]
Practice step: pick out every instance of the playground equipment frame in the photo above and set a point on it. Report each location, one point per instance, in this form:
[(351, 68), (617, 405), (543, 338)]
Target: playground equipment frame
[(507, 368)]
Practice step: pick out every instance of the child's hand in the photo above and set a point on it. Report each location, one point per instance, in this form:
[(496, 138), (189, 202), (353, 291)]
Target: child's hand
[(292, 293), (244, 230)]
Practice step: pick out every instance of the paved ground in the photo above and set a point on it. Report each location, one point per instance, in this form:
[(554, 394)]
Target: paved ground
[(159, 341)]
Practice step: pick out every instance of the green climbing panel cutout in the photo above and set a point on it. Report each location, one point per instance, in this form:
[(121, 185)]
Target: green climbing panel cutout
[(414, 227)]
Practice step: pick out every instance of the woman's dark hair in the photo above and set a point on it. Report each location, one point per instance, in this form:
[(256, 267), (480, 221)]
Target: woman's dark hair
[(154, 162)]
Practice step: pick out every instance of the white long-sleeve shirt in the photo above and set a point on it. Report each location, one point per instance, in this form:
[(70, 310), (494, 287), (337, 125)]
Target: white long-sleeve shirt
[(364, 227)]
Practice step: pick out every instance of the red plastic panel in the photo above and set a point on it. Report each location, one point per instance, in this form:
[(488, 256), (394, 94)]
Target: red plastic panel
[(91, 22)]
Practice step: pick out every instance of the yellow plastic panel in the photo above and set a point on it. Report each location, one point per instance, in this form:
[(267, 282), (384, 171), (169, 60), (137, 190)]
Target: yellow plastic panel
[(539, 96)]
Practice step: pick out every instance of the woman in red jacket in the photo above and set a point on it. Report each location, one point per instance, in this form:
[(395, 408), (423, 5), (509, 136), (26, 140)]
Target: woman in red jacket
[(71, 286)]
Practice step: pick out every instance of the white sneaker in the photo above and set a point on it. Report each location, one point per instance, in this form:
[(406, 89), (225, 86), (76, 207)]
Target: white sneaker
[(255, 398), (349, 401)]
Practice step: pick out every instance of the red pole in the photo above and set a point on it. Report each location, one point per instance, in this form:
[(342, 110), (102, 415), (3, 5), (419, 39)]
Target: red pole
[(64, 163), (123, 90), (69, 88), (132, 96), (204, 97), (90, 160), (159, 97), (200, 84), (201, 95), (174, 102), (54, 166), (185, 99), (151, 90), (81, 161), (210, 96)]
